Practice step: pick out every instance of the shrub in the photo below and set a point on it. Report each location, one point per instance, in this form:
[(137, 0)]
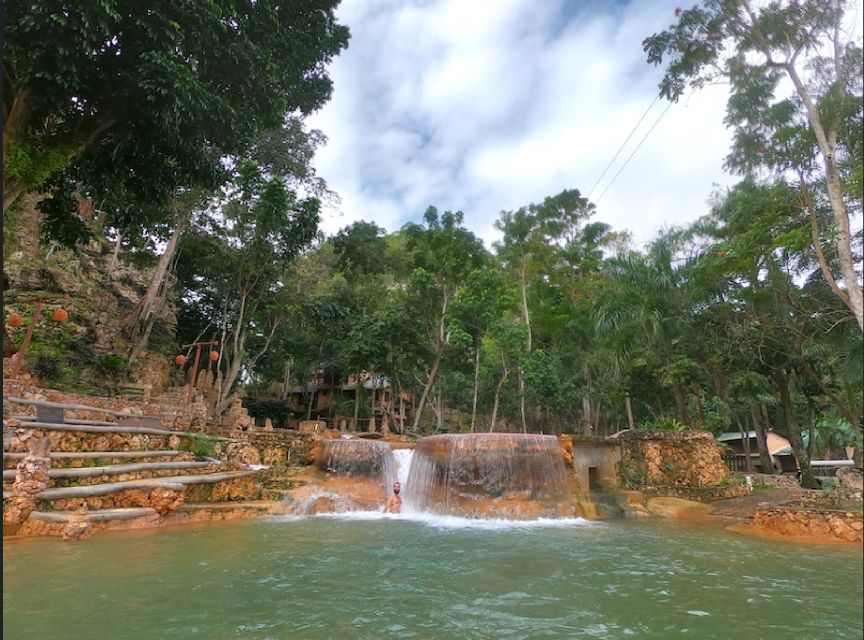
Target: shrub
[(47, 367), (202, 446), (665, 423)]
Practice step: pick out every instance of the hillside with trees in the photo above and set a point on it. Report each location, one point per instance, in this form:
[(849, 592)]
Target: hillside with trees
[(175, 138)]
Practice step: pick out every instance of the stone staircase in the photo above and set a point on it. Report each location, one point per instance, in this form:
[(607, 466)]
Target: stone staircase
[(73, 476)]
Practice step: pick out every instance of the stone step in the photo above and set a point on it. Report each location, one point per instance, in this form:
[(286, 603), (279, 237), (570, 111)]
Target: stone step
[(208, 487), (98, 515), (118, 428), (98, 423), (76, 459), (111, 487), (115, 469), (259, 505)]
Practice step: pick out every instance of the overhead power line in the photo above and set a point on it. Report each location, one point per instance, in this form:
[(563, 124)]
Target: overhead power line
[(623, 144), (656, 122)]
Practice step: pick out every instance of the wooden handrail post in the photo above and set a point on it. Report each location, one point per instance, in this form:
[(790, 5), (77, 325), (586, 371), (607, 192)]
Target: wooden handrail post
[(18, 359), (194, 377)]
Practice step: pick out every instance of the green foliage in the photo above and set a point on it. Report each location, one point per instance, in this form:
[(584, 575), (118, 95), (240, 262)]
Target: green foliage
[(47, 367), (631, 473), (33, 166), (147, 100), (202, 446), (664, 423), (112, 366)]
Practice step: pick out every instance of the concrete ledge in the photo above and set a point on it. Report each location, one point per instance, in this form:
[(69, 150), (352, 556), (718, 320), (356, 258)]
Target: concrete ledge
[(698, 494), (102, 515)]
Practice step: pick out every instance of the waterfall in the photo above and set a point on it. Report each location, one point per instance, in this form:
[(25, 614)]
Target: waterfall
[(403, 458), (490, 474), (356, 458)]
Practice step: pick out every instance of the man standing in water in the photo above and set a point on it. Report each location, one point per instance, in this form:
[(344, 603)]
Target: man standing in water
[(394, 501)]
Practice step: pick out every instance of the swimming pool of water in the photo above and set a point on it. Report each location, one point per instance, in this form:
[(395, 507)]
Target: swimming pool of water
[(374, 576)]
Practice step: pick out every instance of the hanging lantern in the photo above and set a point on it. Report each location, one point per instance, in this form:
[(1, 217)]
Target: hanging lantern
[(60, 315), (180, 360), (214, 356), (15, 320)]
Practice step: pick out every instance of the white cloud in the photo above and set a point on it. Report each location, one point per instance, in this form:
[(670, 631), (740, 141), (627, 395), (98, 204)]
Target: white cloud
[(484, 106)]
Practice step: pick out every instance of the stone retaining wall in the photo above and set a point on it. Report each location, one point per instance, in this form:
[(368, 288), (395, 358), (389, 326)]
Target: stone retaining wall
[(772, 480), (671, 458), (839, 498), (181, 418), (281, 447), (798, 521), (698, 494)]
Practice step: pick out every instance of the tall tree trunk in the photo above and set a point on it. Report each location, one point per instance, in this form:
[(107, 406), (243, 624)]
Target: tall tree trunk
[(401, 412), (441, 341), (286, 381), (357, 403), (149, 304), (520, 374), (430, 380), (476, 387), (827, 146), (765, 463), (681, 403), (15, 123), (500, 384), (697, 400), (808, 481), (629, 407), (112, 265), (526, 317), (745, 440)]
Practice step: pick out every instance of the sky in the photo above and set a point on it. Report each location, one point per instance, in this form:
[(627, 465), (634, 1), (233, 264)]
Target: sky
[(483, 106)]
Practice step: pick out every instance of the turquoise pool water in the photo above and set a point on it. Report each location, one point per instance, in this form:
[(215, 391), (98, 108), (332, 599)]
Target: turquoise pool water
[(369, 576)]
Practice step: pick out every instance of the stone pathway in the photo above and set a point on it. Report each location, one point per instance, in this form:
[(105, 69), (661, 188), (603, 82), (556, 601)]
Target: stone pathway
[(745, 508)]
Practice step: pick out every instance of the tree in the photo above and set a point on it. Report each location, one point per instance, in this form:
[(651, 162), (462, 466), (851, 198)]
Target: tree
[(533, 239), (238, 261), (155, 85), (444, 253), (754, 49)]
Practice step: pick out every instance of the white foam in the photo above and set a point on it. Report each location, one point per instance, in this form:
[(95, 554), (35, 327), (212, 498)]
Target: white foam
[(403, 459), (447, 522)]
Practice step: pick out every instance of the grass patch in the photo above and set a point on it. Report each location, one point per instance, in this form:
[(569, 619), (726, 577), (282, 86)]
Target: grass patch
[(764, 488)]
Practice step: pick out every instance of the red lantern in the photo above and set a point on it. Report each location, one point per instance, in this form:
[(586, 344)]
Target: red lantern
[(60, 315), (760, 149), (180, 360), (214, 356), (15, 320)]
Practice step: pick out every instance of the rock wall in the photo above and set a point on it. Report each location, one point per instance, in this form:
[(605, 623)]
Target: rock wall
[(772, 480), (698, 494), (181, 418), (671, 458), (819, 524), (98, 291)]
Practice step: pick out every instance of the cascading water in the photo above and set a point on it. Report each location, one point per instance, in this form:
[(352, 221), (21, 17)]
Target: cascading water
[(403, 458), (358, 458), (490, 474), (353, 475)]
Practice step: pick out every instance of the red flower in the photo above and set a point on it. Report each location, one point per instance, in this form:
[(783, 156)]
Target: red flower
[(678, 11), (671, 26)]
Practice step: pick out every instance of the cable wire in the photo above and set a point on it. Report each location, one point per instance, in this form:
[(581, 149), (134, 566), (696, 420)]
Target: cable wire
[(623, 144), (656, 122)]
